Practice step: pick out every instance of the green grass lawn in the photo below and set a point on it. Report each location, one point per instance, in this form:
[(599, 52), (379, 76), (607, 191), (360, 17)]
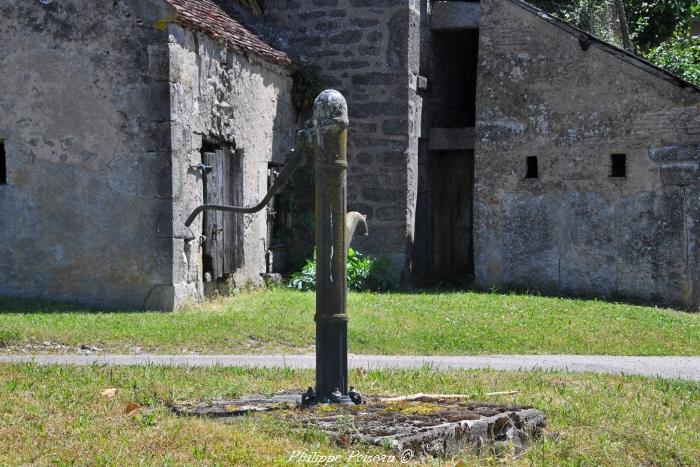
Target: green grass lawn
[(394, 323), (56, 415)]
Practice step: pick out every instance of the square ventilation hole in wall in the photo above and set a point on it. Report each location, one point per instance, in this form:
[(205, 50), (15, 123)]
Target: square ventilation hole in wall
[(532, 168), (3, 164), (619, 165)]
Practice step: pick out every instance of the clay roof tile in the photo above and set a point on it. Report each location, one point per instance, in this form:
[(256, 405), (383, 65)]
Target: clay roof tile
[(210, 18)]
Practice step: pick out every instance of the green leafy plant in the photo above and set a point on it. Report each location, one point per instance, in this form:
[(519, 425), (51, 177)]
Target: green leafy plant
[(679, 55), (306, 278), (148, 419), (653, 22), (363, 273)]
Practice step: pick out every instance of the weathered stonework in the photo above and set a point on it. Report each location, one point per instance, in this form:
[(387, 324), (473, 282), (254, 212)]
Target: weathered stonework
[(368, 50), (240, 101), (575, 229), (451, 15), (85, 122), (102, 116), (433, 425)]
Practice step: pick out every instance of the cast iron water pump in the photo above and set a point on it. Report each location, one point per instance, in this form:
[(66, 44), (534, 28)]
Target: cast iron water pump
[(327, 139)]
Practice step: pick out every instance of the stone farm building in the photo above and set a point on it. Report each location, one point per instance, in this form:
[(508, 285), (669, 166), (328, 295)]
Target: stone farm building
[(487, 140)]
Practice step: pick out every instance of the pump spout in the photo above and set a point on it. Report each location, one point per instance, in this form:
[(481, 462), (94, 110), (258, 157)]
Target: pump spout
[(353, 221)]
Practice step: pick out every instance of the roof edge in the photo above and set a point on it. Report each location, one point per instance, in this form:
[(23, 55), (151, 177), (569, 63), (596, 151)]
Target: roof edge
[(208, 18), (612, 49), (286, 62)]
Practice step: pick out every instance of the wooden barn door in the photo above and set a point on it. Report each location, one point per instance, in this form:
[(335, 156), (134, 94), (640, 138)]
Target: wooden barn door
[(223, 244), (451, 192)]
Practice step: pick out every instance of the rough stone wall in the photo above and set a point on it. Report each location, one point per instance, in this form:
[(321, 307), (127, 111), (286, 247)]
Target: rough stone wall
[(243, 102), (369, 51), (84, 117), (420, 260), (575, 230)]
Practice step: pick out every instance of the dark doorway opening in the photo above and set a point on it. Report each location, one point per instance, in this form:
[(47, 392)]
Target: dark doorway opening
[(222, 231), (278, 224), (452, 80), (443, 251)]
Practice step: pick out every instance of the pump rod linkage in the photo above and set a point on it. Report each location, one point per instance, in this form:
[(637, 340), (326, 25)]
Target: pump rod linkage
[(297, 159)]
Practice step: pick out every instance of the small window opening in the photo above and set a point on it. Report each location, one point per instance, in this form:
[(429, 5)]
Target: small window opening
[(3, 164), (619, 165), (532, 168)]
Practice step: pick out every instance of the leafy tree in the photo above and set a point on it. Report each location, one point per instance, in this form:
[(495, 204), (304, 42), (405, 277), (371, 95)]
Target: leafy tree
[(652, 22), (676, 51), (679, 55), (659, 29)]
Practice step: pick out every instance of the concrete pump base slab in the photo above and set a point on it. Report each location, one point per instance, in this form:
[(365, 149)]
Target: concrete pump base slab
[(439, 427)]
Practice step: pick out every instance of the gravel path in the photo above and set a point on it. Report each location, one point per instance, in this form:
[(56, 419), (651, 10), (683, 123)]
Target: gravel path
[(666, 367)]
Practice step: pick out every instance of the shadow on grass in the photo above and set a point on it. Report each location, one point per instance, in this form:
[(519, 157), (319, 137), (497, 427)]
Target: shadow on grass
[(38, 306), (613, 299)]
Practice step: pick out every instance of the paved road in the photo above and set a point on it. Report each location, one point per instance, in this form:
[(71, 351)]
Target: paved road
[(666, 367)]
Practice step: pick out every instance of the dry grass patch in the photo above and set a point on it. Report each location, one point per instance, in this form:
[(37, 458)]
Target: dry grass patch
[(57, 415)]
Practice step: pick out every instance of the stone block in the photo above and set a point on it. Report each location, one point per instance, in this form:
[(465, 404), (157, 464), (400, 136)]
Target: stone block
[(369, 50), (395, 127), (325, 3), (375, 78), (346, 37), (391, 213), (376, 3), (680, 173), (380, 194), (676, 153), (364, 22)]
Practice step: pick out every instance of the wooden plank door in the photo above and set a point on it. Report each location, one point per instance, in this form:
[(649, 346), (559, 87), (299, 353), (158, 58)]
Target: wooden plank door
[(223, 252), (451, 187)]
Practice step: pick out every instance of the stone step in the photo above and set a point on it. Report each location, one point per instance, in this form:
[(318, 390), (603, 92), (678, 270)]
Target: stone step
[(455, 16)]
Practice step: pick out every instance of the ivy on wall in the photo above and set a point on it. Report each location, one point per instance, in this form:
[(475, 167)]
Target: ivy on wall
[(306, 86)]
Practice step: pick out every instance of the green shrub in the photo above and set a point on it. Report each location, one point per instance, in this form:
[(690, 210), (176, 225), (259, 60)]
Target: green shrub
[(364, 273), (306, 278), (679, 55)]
